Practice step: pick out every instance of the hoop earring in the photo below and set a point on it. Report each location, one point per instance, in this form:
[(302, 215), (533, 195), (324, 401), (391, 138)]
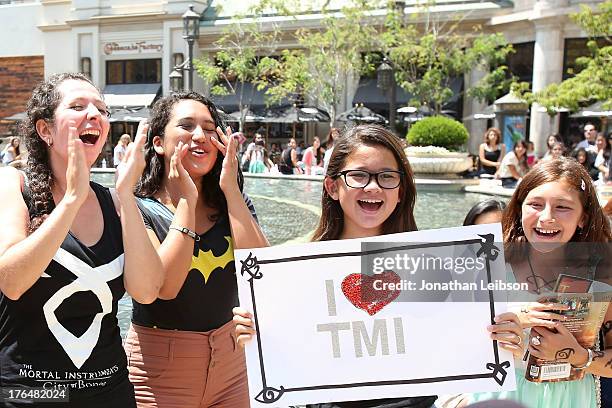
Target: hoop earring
[(49, 142)]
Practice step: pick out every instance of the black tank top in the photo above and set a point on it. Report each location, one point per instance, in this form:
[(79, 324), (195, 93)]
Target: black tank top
[(63, 331), (491, 156), (286, 165)]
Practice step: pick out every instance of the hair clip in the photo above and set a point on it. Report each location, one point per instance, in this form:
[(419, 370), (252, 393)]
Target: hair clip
[(582, 185)]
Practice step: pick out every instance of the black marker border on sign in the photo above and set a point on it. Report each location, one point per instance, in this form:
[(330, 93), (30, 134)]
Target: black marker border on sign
[(497, 370)]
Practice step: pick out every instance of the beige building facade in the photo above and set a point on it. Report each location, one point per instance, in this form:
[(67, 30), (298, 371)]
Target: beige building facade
[(129, 47)]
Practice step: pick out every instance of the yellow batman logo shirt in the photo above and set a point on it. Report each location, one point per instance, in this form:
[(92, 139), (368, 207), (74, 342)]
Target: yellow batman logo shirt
[(206, 261)]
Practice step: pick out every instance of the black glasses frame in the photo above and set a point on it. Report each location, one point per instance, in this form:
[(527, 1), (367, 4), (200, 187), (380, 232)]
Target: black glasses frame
[(370, 175)]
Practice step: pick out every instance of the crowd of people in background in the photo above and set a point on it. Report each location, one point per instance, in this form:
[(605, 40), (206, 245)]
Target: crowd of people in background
[(166, 235), (294, 158), (508, 164), (494, 160), (593, 153)]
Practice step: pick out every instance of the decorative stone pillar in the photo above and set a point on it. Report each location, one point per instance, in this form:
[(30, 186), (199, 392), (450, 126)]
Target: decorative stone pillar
[(476, 127), (547, 69)]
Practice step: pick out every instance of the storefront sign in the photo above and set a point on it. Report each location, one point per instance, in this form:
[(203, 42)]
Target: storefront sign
[(136, 47)]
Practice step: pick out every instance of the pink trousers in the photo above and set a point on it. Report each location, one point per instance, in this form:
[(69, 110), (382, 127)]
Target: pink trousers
[(181, 369)]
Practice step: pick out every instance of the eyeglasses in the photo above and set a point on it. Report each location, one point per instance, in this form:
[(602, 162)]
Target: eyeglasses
[(387, 179)]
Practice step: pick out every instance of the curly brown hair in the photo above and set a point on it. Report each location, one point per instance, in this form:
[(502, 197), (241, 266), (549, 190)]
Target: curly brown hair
[(42, 105), (495, 131)]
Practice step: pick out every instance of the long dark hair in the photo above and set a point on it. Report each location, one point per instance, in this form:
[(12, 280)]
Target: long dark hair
[(153, 175), (401, 219), (17, 148), (319, 152), (582, 151), (596, 227), (523, 160), (42, 105)]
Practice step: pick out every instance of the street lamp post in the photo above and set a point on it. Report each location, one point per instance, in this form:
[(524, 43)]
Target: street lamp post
[(176, 78), (386, 82), (184, 70), (191, 31)]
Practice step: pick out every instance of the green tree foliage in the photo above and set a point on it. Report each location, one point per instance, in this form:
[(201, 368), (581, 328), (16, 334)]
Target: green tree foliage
[(438, 131), (326, 53), (594, 81), (337, 46), (245, 54), (429, 48)]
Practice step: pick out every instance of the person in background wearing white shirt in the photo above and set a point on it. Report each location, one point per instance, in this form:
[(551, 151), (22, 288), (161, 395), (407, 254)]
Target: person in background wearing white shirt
[(329, 146), (121, 148), (604, 156), (590, 133), (514, 165)]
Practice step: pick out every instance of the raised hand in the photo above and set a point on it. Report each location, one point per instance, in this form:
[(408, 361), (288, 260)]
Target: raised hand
[(180, 185), (77, 170), (133, 163), (227, 143)]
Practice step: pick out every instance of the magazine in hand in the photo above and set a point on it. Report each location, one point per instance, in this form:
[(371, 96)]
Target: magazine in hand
[(585, 316)]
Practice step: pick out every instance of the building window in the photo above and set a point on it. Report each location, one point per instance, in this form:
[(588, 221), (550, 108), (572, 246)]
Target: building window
[(86, 66), (574, 49), (139, 71), (520, 62)]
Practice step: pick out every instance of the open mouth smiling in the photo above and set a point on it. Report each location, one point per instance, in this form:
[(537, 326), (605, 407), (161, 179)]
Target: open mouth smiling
[(546, 233), (370, 204), (197, 151), (90, 136)]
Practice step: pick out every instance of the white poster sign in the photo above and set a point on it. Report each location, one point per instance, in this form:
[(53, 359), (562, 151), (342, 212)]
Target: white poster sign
[(391, 316)]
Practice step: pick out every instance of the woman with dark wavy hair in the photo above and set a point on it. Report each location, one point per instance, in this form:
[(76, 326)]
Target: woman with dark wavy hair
[(181, 348), (69, 249)]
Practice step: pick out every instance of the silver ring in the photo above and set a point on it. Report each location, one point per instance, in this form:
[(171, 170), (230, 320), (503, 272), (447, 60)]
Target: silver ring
[(524, 310), (536, 341)]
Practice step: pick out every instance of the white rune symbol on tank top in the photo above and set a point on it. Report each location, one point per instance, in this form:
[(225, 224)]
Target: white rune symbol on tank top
[(88, 279)]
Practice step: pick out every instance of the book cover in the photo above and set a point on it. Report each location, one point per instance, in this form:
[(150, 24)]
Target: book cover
[(585, 316)]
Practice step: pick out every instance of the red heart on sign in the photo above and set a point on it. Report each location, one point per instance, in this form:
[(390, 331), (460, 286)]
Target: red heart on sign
[(359, 289)]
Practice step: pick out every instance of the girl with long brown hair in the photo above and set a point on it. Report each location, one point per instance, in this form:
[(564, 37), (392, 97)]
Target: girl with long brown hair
[(554, 225), (369, 190)]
